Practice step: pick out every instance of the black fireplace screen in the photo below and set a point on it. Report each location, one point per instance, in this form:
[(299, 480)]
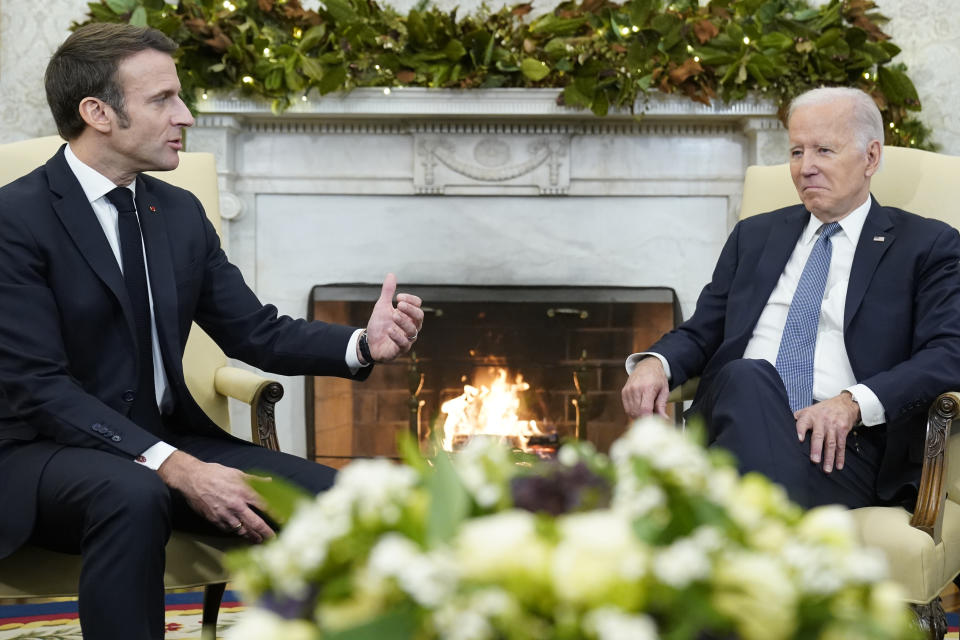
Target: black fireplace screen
[(567, 343)]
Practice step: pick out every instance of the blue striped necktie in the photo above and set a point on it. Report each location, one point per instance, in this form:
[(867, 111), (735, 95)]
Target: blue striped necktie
[(795, 357)]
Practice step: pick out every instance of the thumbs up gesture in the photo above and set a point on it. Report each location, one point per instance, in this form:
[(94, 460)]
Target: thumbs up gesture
[(391, 330)]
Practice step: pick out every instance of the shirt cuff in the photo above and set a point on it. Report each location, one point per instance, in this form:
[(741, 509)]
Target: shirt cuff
[(155, 456), (637, 357), (871, 411), (353, 362)]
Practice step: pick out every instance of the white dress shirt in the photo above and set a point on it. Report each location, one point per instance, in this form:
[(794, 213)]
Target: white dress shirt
[(96, 186), (832, 372)]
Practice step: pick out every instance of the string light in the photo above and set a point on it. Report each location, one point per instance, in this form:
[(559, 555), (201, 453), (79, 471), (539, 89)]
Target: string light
[(624, 31), (247, 80), (866, 74), (635, 28), (696, 58), (891, 125), (229, 6), (746, 40), (304, 98), (266, 52), (203, 96), (386, 91), (297, 32)]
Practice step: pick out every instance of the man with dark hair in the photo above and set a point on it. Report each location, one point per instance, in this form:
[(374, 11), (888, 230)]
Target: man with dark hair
[(827, 329), (102, 448)]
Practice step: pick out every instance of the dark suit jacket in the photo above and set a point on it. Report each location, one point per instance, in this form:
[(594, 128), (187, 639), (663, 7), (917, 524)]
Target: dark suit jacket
[(901, 319), (67, 340)]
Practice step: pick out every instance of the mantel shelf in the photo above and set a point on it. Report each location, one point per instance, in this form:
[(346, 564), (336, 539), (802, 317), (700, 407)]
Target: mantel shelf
[(517, 103)]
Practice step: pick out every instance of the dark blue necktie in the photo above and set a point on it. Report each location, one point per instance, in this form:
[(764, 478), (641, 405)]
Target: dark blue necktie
[(795, 357), (144, 409)]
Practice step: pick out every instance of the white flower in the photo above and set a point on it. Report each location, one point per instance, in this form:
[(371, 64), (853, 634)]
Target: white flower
[(681, 563), (374, 488), (310, 5), (598, 559), (426, 577), (483, 465), (754, 590), (635, 500), (458, 623), (257, 624), (831, 525), (499, 545), (609, 623), (666, 449)]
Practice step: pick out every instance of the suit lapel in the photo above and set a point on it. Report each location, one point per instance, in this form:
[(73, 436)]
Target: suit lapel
[(160, 267), (867, 257), (77, 216), (780, 243)]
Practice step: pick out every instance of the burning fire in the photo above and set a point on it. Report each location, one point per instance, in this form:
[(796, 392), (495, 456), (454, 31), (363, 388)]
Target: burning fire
[(489, 411)]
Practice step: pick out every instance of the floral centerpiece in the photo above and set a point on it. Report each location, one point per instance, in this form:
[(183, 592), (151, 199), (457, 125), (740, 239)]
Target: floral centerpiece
[(660, 539)]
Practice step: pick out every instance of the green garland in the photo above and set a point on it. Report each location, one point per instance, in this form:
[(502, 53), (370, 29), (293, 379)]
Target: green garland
[(600, 52)]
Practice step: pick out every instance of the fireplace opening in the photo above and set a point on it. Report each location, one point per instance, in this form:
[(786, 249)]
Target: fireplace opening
[(547, 362)]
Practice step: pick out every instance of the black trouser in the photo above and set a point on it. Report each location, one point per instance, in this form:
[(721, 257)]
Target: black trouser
[(747, 412), (119, 514)]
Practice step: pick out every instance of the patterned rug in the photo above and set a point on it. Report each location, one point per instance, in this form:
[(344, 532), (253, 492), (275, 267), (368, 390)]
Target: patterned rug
[(58, 620)]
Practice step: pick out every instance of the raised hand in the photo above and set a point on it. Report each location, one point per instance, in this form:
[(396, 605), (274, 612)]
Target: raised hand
[(391, 330)]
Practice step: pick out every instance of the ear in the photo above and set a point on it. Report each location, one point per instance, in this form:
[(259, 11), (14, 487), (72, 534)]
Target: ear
[(874, 152), (97, 114)]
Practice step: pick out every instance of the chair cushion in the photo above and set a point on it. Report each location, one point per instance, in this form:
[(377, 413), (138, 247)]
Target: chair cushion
[(192, 560), (923, 568)]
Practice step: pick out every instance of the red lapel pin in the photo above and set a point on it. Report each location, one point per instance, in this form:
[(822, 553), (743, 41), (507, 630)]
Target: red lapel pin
[(153, 209)]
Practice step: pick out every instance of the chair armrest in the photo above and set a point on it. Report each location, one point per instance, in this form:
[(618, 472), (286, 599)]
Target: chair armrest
[(928, 515), (684, 392), (260, 393)]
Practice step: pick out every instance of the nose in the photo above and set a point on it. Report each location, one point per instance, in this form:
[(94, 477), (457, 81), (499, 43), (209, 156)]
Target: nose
[(808, 164), (182, 116)]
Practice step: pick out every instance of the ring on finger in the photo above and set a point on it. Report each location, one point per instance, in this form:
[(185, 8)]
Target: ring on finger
[(414, 336), (238, 526)]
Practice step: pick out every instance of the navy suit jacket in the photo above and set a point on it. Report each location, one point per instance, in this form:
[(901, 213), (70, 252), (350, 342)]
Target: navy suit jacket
[(901, 319), (67, 339)]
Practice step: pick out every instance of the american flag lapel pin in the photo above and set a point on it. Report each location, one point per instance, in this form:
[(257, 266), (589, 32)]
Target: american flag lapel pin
[(153, 209), (875, 238)]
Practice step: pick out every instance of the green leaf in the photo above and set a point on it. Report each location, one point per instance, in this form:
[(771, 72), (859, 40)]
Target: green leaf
[(550, 24), (534, 69), (121, 6), (292, 79), (139, 17), (341, 11), (416, 28), (640, 11), (311, 68), (332, 80), (281, 496), (449, 501), (399, 624), (897, 87), (601, 104), (776, 40), (312, 37), (454, 50)]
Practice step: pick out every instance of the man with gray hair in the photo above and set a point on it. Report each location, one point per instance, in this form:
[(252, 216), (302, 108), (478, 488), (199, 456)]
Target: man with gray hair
[(827, 328)]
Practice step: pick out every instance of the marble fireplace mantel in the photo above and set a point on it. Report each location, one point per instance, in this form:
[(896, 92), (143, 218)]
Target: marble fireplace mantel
[(479, 187)]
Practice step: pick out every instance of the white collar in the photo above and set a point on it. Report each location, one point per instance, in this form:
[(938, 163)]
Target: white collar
[(95, 185)]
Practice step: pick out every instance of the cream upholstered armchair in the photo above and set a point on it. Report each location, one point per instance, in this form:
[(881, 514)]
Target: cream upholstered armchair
[(192, 560), (923, 548)]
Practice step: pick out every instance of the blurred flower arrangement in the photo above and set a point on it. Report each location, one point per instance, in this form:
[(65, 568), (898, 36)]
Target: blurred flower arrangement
[(660, 539)]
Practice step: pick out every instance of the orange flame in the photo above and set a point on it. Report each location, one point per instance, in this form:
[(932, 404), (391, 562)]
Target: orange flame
[(489, 411)]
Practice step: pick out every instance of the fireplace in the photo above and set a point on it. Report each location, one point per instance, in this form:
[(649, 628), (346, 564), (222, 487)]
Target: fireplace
[(567, 344)]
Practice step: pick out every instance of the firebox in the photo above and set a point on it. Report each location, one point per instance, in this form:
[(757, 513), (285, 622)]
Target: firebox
[(547, 360)]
